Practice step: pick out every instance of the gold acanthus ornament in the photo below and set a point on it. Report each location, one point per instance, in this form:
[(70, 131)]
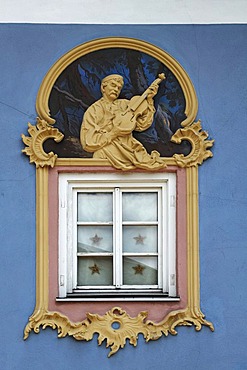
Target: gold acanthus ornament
[(116, 326), (38, 135), (199, 145)]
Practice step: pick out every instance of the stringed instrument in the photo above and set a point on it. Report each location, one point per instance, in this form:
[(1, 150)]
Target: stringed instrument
[(136, 107)]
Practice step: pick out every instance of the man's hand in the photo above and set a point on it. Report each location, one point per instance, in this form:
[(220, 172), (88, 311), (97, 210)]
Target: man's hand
[(152, 91)]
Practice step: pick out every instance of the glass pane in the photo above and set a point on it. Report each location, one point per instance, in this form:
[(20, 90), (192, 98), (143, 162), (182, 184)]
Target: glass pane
[(140, 239), (140, 206), (140, 270), (94, 207), (94, 271), (94, 239)]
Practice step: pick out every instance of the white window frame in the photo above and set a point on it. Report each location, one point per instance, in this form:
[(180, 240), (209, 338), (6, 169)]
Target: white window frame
[(69, 185)]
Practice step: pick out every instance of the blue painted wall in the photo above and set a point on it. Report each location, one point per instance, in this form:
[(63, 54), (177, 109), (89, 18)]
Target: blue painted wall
[(215, 57)]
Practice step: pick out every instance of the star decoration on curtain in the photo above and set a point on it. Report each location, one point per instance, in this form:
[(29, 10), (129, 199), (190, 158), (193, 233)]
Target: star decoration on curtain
[(138, 269), (139, 239), (95, 269), (96, 239)]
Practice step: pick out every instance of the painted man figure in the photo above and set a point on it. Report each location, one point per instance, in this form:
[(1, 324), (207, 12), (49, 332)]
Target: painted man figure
[(108, 124)]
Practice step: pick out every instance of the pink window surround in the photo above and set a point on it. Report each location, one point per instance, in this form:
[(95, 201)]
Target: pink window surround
[(76, 311)]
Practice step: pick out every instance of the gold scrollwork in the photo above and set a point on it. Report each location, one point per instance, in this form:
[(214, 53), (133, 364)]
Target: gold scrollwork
[(116, 326), (126, 327), (54, 320), (198, 140), (177, 318), (38, 135)]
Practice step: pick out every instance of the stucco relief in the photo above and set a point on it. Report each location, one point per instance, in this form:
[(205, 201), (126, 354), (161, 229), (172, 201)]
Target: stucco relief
[(108, 124), (72, 90)]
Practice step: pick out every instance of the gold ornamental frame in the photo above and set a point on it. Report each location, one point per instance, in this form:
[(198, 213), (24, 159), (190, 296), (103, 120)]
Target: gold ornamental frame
[(130, 327)]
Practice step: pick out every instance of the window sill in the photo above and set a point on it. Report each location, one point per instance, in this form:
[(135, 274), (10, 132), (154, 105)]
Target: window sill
[(119, 297)]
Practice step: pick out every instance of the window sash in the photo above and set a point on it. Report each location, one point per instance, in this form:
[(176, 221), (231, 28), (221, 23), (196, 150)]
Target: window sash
[(118, 253)]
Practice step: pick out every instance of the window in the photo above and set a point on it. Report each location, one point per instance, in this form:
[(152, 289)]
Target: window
[(117, 237)]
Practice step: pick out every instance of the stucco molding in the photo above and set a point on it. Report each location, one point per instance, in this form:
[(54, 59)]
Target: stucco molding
[(199, 143), (127, 327), (34, 143), (103, 325)]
